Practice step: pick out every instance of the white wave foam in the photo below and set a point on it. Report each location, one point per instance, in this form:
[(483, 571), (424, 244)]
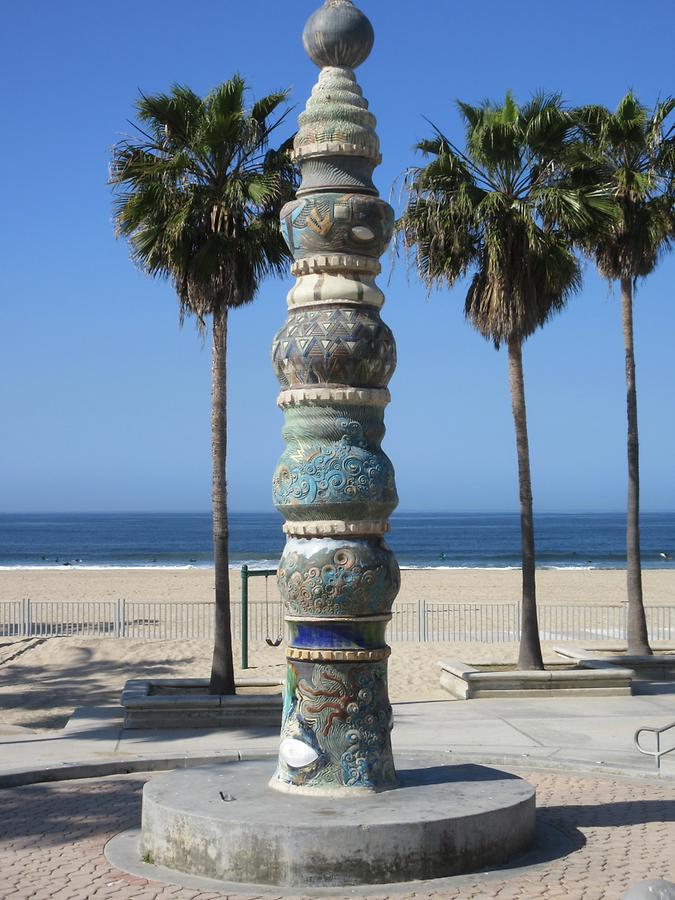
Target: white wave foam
[(461, 568), (103, 567), (256, 565), (263, 564)]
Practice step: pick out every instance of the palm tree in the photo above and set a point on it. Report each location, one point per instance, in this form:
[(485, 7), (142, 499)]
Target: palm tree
[(198, 193), (504, 210), (634, 152)]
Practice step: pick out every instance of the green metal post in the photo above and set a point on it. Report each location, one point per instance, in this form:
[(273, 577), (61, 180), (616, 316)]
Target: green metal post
[(244, 617)]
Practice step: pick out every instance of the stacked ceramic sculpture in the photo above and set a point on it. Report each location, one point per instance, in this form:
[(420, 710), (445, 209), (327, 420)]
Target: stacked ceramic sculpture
[(334, 485)]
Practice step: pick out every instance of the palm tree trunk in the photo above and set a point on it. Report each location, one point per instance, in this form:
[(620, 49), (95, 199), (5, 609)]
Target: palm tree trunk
[(638, 639), (222, 669), (529, 656)]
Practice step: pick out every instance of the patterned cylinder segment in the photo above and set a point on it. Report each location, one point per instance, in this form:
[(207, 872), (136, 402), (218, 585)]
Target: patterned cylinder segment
[(364, 633), (339, 174), (344, 288), (334, 467), (334, 345), (341, 223), (335, 577), (336, 729)]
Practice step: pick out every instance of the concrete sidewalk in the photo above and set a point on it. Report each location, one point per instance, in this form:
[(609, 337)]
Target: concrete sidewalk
[(566, 734)]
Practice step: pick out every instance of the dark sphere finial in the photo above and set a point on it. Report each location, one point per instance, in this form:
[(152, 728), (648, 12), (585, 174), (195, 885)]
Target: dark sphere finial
[(338, 34)]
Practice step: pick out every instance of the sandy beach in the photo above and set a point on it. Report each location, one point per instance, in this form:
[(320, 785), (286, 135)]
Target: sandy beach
[(51, 677), (435, 585), (43, 680)]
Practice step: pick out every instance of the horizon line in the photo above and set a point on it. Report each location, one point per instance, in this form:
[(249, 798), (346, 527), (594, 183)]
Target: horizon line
[(397, 512)]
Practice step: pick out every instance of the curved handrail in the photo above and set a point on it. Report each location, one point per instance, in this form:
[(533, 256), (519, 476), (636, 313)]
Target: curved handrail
[(658, 753)]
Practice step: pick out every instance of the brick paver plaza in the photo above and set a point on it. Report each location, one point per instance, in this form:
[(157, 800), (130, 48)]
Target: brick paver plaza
[(52, 838)]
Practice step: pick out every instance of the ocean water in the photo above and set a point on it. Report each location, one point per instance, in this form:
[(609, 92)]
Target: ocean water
[(420, 540)]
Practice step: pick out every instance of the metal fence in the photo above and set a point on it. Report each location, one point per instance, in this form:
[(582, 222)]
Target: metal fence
[(416, 621)]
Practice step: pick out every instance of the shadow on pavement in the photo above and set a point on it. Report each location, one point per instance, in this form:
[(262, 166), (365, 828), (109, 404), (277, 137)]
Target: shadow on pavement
[(83, 682), (61, 814), (613, 815), (449, 774)]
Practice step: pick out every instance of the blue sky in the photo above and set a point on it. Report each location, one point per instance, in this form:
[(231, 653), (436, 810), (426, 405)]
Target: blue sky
[(104, 402)]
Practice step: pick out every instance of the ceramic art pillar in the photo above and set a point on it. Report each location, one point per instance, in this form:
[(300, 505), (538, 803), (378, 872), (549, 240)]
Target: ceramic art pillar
[(334, 485)]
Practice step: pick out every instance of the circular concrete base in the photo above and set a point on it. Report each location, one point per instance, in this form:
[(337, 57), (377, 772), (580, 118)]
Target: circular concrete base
[(224, 822)]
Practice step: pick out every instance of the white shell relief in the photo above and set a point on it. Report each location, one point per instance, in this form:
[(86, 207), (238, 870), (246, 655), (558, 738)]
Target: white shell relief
[(297, 754), (361, 233)]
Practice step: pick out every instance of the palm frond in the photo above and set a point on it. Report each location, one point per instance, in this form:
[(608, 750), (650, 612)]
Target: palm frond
[(197, 194), (631, 156), (504, 209)]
